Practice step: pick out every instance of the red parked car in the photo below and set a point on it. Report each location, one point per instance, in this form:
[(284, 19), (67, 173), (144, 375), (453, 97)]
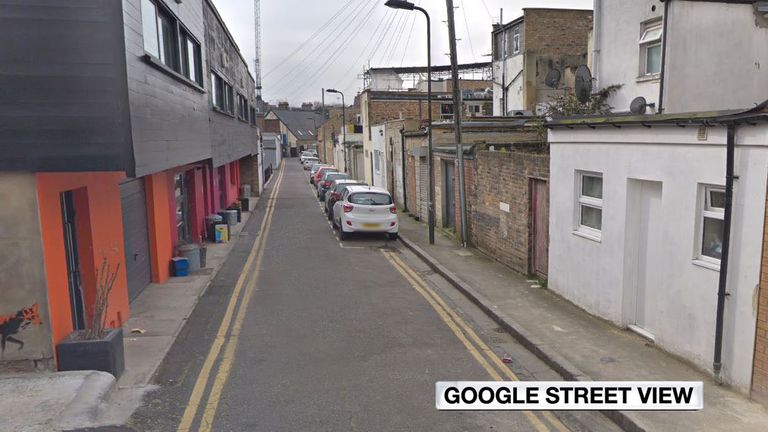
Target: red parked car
[(321, 172)]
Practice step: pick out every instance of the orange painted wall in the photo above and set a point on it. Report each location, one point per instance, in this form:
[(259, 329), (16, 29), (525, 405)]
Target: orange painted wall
[(159, 224), (100, 224)]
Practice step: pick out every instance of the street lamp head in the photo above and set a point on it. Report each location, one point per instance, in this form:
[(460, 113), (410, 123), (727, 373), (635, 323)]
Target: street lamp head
[(400, 4), (332, 91)]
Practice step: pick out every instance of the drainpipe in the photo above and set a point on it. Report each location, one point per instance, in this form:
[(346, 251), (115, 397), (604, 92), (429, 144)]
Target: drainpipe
[(596, 21), (662, 75), (722, 293), (402, 162)]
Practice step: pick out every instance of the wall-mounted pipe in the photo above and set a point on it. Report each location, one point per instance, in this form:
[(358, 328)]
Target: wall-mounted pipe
[(722, 291), (662, 75)]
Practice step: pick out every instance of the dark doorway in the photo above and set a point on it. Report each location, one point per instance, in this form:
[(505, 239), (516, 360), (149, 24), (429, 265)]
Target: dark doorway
[(222, 173), (449, 199), (73, 261)]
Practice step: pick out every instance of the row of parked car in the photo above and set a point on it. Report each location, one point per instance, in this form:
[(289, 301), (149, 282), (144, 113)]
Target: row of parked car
[(351, 205)]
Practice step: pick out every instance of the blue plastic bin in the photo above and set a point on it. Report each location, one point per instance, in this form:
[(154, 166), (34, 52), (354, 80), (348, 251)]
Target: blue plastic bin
[(180, 266)]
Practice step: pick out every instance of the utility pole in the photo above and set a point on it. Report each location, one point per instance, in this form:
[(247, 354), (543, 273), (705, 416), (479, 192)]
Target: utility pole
[(457, 108)]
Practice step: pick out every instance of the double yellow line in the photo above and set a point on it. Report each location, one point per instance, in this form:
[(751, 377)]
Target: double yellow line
[(251, 269), (472, 342)]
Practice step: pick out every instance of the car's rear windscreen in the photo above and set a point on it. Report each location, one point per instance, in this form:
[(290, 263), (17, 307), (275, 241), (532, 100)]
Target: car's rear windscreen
[(370, 198)]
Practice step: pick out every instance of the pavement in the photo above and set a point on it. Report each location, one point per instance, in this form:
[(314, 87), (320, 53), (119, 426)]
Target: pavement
[(576, 344), (53, 401)]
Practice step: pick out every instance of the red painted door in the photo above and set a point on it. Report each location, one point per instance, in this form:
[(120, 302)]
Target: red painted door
[(539, 227)]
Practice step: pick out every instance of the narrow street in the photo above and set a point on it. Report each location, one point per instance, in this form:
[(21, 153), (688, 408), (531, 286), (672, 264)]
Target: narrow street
[(333, 336)]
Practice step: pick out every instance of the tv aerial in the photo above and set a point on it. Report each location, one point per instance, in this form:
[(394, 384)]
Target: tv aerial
[(583, 84), (639, 105)]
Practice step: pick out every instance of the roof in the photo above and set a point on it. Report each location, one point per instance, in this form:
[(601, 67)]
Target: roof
[(300, 122), (720, 117)]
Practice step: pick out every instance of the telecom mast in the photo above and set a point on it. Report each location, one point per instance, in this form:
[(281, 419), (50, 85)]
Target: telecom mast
[(257, 60)]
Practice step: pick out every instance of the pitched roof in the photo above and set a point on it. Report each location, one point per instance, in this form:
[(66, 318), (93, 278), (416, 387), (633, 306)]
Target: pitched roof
[(300, 122)]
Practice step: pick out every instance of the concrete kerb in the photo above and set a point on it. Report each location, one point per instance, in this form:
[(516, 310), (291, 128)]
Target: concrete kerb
[(566, 369), (87, 402)]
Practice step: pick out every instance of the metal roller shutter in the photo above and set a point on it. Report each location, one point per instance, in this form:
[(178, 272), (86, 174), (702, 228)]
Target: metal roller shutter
[(137, 259)]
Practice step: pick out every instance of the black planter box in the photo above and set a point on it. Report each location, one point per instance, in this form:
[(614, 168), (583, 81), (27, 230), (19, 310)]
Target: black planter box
[(102, 354)]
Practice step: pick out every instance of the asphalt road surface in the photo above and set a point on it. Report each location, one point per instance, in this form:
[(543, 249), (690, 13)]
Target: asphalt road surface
[(301, 332)]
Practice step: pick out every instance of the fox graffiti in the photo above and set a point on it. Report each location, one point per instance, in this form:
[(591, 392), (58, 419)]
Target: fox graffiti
[(13, 323)]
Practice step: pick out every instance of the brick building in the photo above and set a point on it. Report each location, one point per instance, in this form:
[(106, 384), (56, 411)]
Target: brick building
[(526, 49), (760, 361)]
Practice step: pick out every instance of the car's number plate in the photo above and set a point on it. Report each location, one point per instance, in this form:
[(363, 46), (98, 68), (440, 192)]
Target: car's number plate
[(370, 225)]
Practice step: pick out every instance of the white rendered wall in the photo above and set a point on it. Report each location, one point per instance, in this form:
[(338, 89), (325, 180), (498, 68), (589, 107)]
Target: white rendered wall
[(714, 70), (619, 55), (591, 273)]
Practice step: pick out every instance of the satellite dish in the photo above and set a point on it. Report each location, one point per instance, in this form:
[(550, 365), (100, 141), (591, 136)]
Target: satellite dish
[(638, 105), (552, 80), (583, 83)]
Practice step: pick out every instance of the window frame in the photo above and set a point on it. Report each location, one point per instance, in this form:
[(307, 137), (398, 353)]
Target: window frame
[(588, 201), (707, 211), (646, 43), (515, 40), (175, 63), (242, 107)]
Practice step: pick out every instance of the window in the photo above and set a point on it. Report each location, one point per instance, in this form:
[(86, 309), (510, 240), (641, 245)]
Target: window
[(590, 203), (516, 40), (242, 107), (376, 159), (253, 116), (650, 48), (370, 198), (149, 27), (191, 66), (229, 97), (166, 39), (712, 225), (217, 92)]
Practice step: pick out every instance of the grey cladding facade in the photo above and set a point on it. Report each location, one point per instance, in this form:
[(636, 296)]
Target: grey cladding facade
[(169, 116), (112, 85), (63, 95)]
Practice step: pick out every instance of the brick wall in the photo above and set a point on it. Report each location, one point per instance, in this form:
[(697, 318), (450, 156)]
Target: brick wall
[(556, 39), (504, 177), (331, 126), (760, 365), (557, 31)]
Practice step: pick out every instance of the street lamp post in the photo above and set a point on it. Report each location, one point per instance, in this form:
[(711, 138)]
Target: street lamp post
[(344, 126), (402, 4)]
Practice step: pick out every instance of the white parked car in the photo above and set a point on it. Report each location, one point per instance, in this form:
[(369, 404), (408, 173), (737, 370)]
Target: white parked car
[(309, 161), (365, 209), (307, 154)]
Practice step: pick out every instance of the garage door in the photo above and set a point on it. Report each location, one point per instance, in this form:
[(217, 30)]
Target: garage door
[(137, 260), (423, 189)]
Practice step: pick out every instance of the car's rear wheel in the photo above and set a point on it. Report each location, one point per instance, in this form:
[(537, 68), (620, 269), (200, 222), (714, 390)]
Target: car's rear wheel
[(392, 236), (343, 235)]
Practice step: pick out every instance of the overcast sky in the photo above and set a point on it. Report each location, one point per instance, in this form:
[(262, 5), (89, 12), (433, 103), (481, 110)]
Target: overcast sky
[(335, 39)]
